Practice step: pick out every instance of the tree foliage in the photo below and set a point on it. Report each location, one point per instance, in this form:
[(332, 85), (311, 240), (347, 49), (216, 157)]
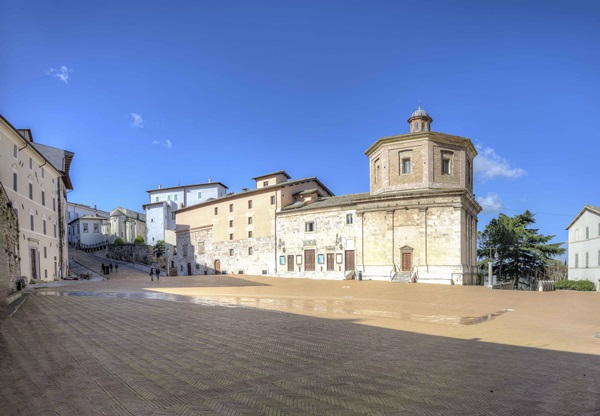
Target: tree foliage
[(119, 241), (159, 248), (523, 255), (138, 240)]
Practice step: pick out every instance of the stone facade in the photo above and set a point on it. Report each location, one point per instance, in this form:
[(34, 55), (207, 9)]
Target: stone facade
[(10, 268), (417, 223), (125, 224)]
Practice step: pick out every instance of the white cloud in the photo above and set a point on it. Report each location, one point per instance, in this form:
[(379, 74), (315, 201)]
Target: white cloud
[(490, 203), (62, 73), (166, 143), (488, 165), (137, 121)]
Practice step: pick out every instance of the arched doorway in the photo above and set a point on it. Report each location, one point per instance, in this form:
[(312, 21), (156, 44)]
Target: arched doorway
[(189, 267), (217, 266)]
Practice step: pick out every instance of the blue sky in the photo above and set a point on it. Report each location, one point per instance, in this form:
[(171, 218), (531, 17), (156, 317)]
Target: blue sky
[(155, 92)]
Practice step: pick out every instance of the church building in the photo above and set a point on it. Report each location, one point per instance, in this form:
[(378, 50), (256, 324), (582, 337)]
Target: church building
[(417, 223)]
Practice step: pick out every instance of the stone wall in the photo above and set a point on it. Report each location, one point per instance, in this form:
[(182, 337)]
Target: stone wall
[(131, 252), (9, 249)]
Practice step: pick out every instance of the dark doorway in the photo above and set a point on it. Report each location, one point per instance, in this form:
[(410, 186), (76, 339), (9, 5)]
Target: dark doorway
[(217, 266), (349, 254), (290, 260), (189, 267), (330, 263), (309, 260)]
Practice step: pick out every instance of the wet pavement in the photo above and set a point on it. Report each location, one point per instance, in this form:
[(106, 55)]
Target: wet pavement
[(247, 345)]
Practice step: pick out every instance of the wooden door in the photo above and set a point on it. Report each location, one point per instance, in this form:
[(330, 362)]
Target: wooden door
[(406, 262), (309, 260), (349, 257), (290, 260), (217, 266), (189, 269), (33, 263), (330, 262)]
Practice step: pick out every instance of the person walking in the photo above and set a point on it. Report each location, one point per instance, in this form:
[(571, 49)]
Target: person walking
[(157, 271), (151, 274), (103, 269), (111, 266), (116, 267)]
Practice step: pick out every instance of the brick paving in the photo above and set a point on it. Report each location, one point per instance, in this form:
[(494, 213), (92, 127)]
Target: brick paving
[(102, 348)]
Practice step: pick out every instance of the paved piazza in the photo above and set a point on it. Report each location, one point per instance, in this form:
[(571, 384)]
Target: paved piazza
[(246, 345)]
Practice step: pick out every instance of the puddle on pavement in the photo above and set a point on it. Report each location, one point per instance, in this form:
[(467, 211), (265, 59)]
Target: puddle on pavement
[(316, 305)]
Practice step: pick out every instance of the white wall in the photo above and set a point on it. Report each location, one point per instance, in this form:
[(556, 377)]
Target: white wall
[(581, 245)]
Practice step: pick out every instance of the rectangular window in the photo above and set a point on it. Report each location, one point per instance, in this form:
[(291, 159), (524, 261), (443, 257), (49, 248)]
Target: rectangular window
[(230, 207), (230, 252), (30, 191), (54, 230), (15, 150), (168, 197), (199, 194), (587, 232), (175, 197), (185, 250), (309, 227), (249, 234), (250, 251), (273, 200), (173, 216), (576, 260), (231, 236), (30, 163), (349, 219), (85, 228), (200, 247), (447, 163), (406, 166), (43, 198), (468, 172), (587, 259), (231, 223), (250, 204), (216, 210), (45, 253), (31, 222), (44, 226), (15, 182), (156, 199), (249, 220), (96, 228), (266, 183), (42, 173), (54, 204)]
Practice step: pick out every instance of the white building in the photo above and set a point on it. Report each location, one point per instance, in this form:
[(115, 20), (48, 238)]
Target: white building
[(125, 224), (160, 211), (584, 246), (36, 179), (75, 230)]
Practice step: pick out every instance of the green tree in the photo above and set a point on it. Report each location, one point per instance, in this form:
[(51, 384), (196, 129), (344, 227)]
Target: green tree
[(138, 240), (159, 248), (519, 253), (119, 241)]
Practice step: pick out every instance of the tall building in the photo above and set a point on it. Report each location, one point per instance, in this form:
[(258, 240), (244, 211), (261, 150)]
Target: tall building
[(418, 222), (36, 179)]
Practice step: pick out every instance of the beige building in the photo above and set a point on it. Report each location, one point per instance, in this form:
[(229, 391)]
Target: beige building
[(36, 180), (10, 269), (417, 223), (236, 233)]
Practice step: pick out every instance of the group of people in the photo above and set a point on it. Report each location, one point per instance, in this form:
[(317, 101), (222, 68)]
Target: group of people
[(154, 272), (107, 268)]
